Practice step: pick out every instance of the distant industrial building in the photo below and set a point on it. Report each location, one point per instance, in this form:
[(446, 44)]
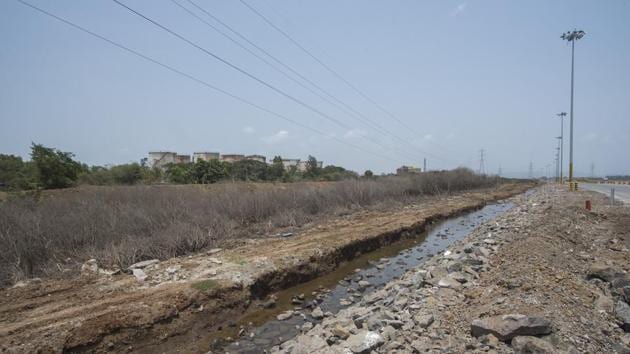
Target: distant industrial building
[(302, 166), (206, 156), (232, 157), (288, 163), (405, 170), (182, 159), (259, 158), (159, 159)]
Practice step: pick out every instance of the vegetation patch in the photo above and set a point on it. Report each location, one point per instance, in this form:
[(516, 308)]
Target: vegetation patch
[(205, 285)]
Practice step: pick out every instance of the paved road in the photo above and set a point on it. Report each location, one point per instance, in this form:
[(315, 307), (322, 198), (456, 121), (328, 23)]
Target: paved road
[(622, 191)]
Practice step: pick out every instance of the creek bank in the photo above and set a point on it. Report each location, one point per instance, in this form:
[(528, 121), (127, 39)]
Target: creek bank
[(355, 280), (173, 302), (519, 284)]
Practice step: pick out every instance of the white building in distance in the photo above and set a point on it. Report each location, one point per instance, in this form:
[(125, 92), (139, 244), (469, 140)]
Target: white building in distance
[(206, 156), (303, 165), (159, 159)]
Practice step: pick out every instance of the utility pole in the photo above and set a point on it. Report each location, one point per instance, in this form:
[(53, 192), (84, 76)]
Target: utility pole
[(482, 164), (500, 171), (572, 36), (562, 115), (531, 170), (425, 165), (592, 170), (558, 164)]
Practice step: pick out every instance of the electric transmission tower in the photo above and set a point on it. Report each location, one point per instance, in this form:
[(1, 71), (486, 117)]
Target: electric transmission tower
[(500, 171), (592, 170), (482, 163), (531, 170)]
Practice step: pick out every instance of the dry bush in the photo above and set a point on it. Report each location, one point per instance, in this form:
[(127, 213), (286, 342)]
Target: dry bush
[(42, 235)]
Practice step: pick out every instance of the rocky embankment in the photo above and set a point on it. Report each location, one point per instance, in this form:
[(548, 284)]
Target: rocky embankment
[(546, 277)]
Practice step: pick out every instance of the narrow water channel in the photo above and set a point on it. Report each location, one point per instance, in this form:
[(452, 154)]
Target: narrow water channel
[(338, 289)]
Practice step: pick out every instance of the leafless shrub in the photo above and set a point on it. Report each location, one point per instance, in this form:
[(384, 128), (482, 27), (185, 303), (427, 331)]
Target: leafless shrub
[(40, 235)]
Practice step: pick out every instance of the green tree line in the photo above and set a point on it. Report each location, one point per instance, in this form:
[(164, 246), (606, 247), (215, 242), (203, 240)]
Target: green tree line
[(50, 168)]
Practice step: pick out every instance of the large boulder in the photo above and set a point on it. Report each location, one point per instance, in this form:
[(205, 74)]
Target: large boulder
[(506, 327), (622, 313), (531, 345), (363, 342), (604, 272), (144, 264), (309, 344)]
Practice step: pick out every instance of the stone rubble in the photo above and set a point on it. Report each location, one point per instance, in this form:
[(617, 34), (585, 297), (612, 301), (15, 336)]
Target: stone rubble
[(492, 293)]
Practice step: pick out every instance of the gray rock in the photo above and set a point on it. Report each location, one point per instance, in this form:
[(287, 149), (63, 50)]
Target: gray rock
[(308, 345), (622, 313), (461, 278), (89, 267), (285, 315), (363, 342), (397, 324), (269, 303), (139, 274), (341, 332), (363, 284), (603, 272), (144, 264), (626, 293), (448, 282), (604, 303), (506, 327), (469, 248), (317, 313), (454, 267), (307, 326), (423, 320), (388, 332), (531, 345)]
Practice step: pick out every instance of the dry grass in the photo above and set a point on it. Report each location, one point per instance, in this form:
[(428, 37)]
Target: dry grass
[(43, 235)]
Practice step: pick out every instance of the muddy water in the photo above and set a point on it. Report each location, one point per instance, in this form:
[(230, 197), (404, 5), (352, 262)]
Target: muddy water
[(332, 292)]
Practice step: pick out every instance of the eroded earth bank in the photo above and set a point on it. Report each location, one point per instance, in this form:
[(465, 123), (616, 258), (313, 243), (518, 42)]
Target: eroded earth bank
[(548, 276)]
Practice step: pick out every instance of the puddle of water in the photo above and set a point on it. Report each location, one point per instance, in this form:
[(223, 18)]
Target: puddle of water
[(378, 268)]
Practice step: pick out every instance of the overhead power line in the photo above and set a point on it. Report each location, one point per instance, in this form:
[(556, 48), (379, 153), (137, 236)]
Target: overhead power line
[(334, 72), (195, 79), (230, 38), (243, 71), (337, 102)]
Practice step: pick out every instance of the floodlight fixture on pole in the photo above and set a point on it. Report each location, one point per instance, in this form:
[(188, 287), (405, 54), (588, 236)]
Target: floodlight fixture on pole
[(572, 36)]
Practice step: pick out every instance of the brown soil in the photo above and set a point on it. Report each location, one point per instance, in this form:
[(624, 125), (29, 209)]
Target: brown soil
[(542, 270), (119, 314)]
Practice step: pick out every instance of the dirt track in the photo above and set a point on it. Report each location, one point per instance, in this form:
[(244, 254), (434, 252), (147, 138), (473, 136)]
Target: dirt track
[(120, 314)]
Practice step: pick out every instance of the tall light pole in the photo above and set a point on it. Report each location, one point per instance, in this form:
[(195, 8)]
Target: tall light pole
[(558, 165), (561, 115), (572, 36)]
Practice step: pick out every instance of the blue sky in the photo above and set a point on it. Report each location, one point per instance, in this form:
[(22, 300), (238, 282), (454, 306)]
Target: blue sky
[(461, 75)]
